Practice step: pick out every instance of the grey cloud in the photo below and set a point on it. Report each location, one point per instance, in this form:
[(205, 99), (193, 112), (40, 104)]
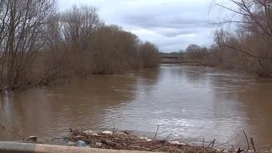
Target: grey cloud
[(172, 32), (167, 23), (149, 21), (170, 24)]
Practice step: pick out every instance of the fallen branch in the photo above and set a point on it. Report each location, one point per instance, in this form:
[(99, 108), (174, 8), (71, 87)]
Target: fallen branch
[(115, 145)]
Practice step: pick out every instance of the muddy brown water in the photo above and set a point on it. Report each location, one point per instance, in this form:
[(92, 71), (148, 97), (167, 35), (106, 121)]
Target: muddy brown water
[(190, 103)]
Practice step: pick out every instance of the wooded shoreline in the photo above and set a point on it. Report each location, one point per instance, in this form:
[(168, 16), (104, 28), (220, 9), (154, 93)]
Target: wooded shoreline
[(40, 45)]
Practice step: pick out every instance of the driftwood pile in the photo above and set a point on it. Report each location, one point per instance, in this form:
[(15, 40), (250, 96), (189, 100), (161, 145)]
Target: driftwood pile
[(126, 141)]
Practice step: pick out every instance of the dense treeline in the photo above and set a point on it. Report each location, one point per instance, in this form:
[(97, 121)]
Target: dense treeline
[(38, 44), (249, 47)]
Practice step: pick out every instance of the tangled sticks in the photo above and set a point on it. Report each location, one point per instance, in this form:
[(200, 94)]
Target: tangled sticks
[(126, 141)]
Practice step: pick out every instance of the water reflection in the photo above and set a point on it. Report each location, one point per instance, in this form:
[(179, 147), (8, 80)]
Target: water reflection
[(51, 111), (257, 102)]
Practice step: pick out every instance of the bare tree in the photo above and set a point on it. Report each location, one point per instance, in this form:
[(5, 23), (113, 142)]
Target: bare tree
[(148, 54), (22, 31), (114, 50), (79, 24), (38, 45), (194, 51), (253, 37)]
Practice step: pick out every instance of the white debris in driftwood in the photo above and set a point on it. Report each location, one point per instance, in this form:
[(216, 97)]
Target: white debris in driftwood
[(177, 142), (107, 132), (90, 132)]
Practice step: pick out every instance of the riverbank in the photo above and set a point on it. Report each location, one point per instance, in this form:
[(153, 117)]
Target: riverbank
[(126, 141), (62, 80), (114, 141), (241, 71), (123, 140)]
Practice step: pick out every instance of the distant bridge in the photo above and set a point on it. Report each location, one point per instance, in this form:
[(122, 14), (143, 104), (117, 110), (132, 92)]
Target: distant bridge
[(176, 58), (170, 58)]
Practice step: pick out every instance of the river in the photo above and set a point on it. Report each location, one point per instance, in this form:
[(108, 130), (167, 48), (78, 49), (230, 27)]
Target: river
[(190, 103)]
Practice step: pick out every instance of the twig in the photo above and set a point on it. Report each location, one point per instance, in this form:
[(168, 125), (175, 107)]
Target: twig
[(240, 150), (253, 145), (114, 129), (157, 132), (246, 140), (226, 142), (163, 142), (232, 149), (212, 143), (194, 133), (61, 138), (167, 137), (203, 145)]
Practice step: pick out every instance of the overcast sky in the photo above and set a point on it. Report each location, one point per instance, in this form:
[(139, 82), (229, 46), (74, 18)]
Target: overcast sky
[(170, 24)]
